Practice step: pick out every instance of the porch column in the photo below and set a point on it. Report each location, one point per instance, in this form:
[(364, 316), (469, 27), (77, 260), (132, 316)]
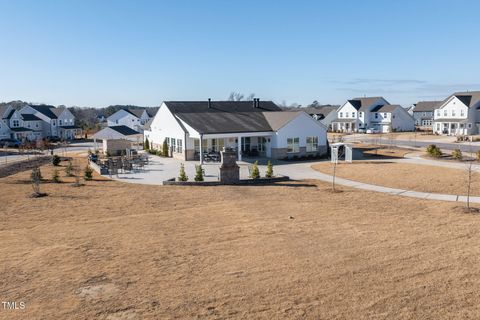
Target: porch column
[(201, 152), (239, 148)]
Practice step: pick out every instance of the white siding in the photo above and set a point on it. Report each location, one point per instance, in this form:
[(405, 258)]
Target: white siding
[(302, 126)]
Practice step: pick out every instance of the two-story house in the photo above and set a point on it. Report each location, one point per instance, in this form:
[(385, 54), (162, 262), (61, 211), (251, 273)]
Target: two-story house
[(133, 118), (372, 113), (423, 112), (56, 122), (458, 114)]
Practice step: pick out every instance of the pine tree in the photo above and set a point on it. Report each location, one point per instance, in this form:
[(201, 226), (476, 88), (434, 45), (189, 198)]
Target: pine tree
[(182, 176), (88, 173), (255, 171), (55, 160), (165, 148), (198, 173), (269, 173), (146, 145)]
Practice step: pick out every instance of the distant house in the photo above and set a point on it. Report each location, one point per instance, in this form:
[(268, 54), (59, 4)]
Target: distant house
[(14, 125), (56, 122), (116, 139), (133, 118), (423, 111), (372, 113), (324, 114), (458, 114), (251, 128)]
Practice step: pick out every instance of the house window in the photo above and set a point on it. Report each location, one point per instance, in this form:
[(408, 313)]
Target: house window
[(116, 121), (353, 114), (179, 145), (438, 126), (469, 126), (444, 113), (59, 122), (16, 123), (293, 145), (384, 115), (174, 145), (36, 125), (312, 144), (341, 114), (462, 113), (168, 141), (438, 113), (376, 115), (360, 114)]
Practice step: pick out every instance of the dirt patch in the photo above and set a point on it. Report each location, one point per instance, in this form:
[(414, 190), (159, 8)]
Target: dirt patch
[(111, 250), (415, 177)]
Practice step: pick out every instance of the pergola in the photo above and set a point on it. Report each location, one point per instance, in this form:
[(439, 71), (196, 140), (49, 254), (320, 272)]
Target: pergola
[(335, 154)]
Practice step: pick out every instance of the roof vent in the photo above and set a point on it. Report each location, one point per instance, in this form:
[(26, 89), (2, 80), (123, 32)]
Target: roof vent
[(209, 103)]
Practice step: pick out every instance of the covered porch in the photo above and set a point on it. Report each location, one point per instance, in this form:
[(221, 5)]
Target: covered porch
[(345, 125), (207, 147), (453, 127)]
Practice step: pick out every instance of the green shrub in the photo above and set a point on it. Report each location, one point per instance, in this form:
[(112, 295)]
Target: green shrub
[(146, 144), (457, 154), (165, 148), (198, 173), (269, 173), (55, 177), (255, 171), (182, 175), (159, 153), (88, 173), (434, 151), (55, 160)]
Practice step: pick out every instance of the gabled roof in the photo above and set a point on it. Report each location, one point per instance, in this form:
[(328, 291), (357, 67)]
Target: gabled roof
[(30, 117), (427, 106), (223, 116), (136, 112), (10, 114), (362, 104), (57, 111), (469, 98), (322, 111), (124, 130), (148, 125), (386, 108), (45, 110), (276, 120)]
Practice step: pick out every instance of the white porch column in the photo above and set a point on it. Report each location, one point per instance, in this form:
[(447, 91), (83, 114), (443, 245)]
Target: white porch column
[(239, 148), (201, 152)]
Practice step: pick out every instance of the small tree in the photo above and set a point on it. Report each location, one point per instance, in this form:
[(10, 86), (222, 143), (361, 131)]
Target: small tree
[(457, 154), (198, 173), (88, 173), (434, 151), (55, 177), (36, 173), (69, 169), (146, 144), (269, 173), (36, 178), (255, 171), (165, 148), (55, 160), (182, 176)]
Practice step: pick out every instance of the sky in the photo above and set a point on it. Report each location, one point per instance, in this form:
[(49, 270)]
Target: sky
[(101, 52)]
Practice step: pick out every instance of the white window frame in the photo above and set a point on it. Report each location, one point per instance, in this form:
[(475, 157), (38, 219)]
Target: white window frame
[(311, 144), (293, 145)]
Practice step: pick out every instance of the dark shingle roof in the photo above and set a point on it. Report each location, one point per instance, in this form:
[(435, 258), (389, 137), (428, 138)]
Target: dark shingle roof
[(69, 127), (223, 116), (322, 111), (30, 117), (136, 112), (20, 129), (469, 98), (126, 131), (386, 108), (362, 104), (10, 114), (46, 110), (427, 106), (57, 111)]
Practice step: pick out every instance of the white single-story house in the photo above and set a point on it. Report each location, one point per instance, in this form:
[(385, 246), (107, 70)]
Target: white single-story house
[(118, 138), (251, 128), (372, 113), (458, 114)]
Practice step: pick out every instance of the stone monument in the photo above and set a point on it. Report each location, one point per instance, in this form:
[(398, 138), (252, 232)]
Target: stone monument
[(229, 170)]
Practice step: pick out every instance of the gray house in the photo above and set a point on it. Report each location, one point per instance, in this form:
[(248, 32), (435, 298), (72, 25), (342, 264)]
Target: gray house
[(324, 114), (423, 113)]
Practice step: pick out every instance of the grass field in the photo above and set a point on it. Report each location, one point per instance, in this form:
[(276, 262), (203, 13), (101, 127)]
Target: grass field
[(109, 250), (416, 177)]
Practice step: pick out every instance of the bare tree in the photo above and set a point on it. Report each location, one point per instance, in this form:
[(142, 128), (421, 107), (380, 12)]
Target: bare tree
[(340, 152), (235, 96)]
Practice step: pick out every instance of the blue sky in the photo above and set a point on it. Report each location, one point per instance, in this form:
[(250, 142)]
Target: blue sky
[(97, 53)]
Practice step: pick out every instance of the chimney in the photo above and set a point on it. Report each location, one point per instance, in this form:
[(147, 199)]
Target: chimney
[(209, 103), (258, 102), (254, 103)]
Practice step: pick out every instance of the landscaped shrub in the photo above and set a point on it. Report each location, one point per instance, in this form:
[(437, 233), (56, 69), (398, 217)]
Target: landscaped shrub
[(434, 151), (165, 148), (88, 173), (55, 177), (457, 154), (69, 169), (182, 175), (198, 173), (269, 173), (55, 160), (159, 153), (146, 144), (255, 171)]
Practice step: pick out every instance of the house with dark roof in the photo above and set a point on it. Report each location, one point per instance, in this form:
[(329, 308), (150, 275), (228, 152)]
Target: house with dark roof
[(372, 114), (325, 114), (56, 122), (132, 118), (251, 128), (116, 139), (423, 112), (14, 125), (458, 114)]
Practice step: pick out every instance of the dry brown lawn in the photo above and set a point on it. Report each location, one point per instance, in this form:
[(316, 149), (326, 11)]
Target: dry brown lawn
[(110, 250), (415, 177)]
